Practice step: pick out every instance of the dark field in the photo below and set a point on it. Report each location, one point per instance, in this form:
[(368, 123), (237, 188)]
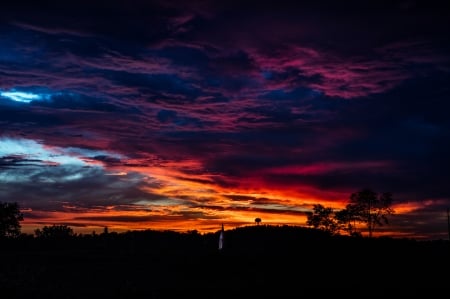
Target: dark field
[(256, 262)]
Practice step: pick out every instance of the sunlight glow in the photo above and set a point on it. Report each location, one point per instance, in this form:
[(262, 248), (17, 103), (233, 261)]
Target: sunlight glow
[(19, 96)]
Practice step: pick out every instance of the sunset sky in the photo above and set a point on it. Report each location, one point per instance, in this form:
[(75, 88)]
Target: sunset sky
[(184, 115)]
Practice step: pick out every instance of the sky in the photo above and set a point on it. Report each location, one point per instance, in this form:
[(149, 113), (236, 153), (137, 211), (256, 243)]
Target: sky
[(186, 115)]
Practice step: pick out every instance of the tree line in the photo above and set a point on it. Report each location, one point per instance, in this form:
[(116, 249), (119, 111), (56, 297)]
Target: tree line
[(365, 208)]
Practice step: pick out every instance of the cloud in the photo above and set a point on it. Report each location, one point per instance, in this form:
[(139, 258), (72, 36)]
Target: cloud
[(28, 148)]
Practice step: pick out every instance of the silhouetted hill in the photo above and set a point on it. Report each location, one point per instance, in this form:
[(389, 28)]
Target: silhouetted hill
[(261, 260)]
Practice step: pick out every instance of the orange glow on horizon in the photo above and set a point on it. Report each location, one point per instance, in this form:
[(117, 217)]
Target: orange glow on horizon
[(198, 203)]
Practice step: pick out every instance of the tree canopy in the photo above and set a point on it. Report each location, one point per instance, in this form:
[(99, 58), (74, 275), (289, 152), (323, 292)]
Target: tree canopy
[(10, 217), (322, 218), (54, 232), (365, 207), (368, 207)]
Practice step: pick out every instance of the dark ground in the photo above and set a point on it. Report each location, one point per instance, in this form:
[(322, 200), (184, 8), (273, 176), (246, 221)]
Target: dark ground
[(256, 262)]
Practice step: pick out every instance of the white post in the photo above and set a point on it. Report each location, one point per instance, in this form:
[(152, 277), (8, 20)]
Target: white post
[(221, 238)]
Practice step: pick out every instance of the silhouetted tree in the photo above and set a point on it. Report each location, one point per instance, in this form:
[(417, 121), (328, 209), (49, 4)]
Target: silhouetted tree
[(257, 221), (322, 218), (347, 219), (54, 232), (10, 217), (370, 208)]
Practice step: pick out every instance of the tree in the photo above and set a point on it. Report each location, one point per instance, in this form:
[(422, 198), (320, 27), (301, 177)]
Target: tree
[(347, 219), (323, 218), (257, 221), (370, 208), (10, 217), (54, 232)]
